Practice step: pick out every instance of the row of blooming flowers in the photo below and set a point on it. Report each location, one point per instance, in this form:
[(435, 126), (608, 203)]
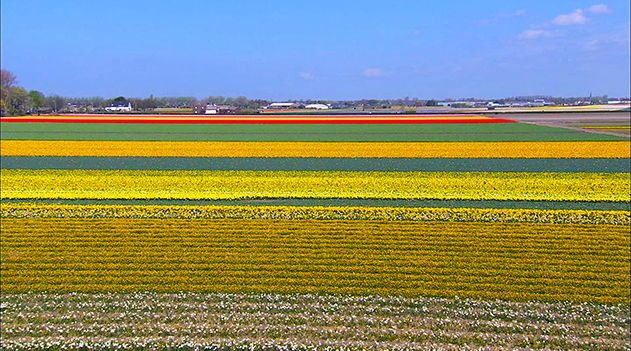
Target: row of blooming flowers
[(514, 261), (193, 321), (537, 149), (44, 210), (227, 185)]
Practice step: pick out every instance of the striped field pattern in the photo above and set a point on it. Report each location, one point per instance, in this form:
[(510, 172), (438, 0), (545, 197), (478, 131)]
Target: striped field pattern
[(314, 232)]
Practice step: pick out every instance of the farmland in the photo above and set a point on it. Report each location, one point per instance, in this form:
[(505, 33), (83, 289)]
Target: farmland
[(312, 232)]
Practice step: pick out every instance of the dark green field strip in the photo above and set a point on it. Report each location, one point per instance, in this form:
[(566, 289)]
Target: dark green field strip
[(350, 137), (598, 165), (537, 205), (467, 128)]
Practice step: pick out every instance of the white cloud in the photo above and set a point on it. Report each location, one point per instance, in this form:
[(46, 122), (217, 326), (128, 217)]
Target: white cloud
[(591, 45), (574, 17), (517, 13), (306, 75), (373, 72), (538, 33), (600, 8)]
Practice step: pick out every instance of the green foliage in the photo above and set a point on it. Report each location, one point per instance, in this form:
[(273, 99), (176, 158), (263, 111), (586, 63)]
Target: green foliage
[(37, 98)]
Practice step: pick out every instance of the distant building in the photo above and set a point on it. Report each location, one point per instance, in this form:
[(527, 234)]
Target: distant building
[(338, 105), (119, 106), (619, 102), (317, 106), (283, 106), (215, 109)]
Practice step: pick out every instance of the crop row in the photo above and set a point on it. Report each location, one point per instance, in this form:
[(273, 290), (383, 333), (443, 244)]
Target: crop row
[(579, 149), (39, 210), (473, 260), (390, 119), (286, 137), (216, 185), (255, 322)]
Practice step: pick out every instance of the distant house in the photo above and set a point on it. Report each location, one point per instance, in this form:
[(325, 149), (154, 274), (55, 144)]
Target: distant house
[(317, 106), (119, 106), (338, 105), (215, 109)]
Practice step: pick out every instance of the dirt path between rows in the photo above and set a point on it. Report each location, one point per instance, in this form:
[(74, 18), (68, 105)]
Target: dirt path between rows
[(561, 120)]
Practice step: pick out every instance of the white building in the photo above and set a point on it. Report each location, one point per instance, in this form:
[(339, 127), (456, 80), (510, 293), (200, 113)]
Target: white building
[(318, 106), (119, 106), (220, 109), (282, 106)]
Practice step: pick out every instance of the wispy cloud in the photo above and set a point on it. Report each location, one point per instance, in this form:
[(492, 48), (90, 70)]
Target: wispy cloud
[(575, 17), (600, 8), (498, 17), (517, 13), (373, 72), (306, 75), (538, 33)]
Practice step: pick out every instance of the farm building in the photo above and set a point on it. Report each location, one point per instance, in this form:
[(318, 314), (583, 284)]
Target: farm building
[(284, 106), (119, 106), (214, 109), (317, 106)]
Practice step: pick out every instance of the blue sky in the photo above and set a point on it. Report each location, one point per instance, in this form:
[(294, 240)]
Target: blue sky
[(335, 50)]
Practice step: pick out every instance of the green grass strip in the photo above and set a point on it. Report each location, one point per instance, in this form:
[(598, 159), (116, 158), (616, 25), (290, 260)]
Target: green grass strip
[(595, 165), (281, 128)]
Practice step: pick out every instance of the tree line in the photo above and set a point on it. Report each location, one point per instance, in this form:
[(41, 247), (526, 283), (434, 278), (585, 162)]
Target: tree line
[(16, 100)]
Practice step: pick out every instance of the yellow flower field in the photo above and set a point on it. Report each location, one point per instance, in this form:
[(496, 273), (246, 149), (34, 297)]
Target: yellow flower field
[(40, 210), (197, 185), (509, 261), (587, 149)]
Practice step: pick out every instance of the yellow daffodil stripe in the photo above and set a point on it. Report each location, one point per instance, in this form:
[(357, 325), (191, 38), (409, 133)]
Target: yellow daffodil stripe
[(40, 210), (197, 185), (507, 261), (587, 149)]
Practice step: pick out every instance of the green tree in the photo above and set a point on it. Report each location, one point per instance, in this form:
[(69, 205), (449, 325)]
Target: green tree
[(19, 102), (37, 98)]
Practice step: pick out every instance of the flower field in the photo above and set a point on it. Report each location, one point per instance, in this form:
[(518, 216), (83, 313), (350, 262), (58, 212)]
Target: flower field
[(445, 259), (215, 185), (591, 149), (312, 232), (41, 210), (321, 119), (303, 322)]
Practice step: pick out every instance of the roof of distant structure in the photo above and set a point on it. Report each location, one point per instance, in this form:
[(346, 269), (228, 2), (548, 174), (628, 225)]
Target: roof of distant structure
[(119, 104)]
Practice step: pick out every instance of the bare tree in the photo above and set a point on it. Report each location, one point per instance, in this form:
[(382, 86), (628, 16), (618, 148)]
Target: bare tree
[(7, 81)]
